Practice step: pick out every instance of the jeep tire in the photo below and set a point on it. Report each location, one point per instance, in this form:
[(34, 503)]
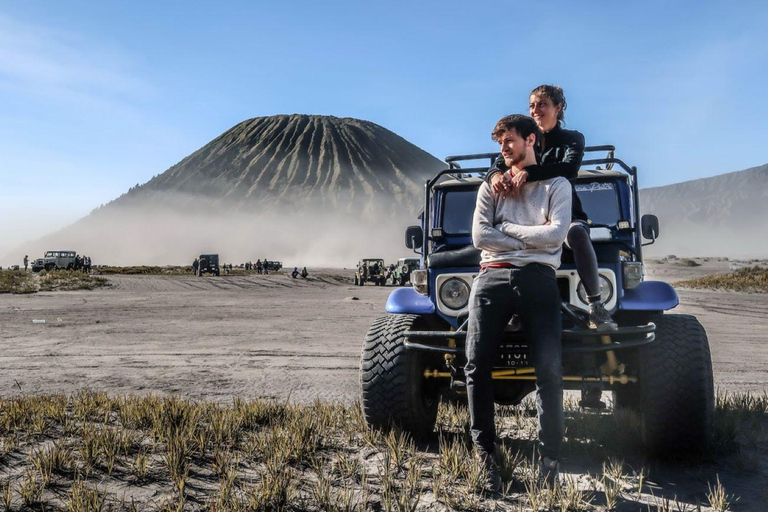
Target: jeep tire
[(394, 389), (677, 399)]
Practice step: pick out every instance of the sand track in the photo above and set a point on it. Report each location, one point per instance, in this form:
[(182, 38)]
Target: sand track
[(267, 336)]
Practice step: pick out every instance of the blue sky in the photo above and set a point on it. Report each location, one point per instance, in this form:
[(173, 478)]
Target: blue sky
[(96, 97)]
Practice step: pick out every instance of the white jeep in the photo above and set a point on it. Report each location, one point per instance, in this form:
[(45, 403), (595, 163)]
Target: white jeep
[(55, 260)]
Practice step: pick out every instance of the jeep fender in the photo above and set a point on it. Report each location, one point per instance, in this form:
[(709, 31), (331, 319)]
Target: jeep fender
[(407, 301), (649, 296)]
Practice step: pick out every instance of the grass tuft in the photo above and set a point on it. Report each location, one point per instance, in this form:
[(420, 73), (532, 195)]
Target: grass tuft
[(747, 280)]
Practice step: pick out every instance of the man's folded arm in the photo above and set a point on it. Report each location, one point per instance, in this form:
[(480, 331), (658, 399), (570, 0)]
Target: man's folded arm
[(548, 235), (484, 235)]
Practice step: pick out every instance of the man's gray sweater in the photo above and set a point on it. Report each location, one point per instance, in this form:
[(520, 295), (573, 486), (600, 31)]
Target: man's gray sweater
[(529, 228)]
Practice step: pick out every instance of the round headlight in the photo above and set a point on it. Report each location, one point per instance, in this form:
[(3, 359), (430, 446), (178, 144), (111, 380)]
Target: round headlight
[(606, 291), (454, 293)]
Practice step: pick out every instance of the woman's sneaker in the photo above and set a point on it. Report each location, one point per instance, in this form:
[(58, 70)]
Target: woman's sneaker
[(600, 319)]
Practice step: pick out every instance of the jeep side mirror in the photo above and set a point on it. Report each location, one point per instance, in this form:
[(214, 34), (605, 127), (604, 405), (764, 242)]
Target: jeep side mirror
[(649, 226), (414, 237)]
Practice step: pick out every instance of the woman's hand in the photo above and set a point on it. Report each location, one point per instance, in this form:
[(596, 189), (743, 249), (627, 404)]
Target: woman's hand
[(517, 178), (500, 183)]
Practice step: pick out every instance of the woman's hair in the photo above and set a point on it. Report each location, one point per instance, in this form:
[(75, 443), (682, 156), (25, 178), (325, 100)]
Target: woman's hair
[(555, 94)]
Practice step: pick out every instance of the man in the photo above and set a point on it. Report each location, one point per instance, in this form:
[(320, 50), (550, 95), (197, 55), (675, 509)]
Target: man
[(26, 262), (521, 240), (195, 265)]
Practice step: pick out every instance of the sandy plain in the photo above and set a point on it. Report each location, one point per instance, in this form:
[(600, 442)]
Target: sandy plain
[(256, 336), (272, 336)]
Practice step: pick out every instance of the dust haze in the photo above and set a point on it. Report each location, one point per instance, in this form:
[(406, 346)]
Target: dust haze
[(173, 232)]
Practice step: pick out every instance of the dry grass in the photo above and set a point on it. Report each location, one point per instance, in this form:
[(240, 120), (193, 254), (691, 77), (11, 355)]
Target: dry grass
[(92, 452), (18, 281), (748, 279)]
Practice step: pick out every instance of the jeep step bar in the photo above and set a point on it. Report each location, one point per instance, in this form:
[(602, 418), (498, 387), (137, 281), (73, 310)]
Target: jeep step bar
[(632, 337)]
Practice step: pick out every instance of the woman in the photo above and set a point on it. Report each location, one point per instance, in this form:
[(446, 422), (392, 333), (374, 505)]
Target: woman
[(559, 153)]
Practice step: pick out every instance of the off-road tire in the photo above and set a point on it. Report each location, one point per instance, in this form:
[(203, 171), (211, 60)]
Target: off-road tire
[(677, 398), (394, 389)]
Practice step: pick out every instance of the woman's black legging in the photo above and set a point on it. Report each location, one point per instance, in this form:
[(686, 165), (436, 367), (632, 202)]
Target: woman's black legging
[(584, 255)]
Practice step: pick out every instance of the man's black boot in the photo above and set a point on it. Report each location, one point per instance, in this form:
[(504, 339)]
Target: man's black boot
[(599, 318), (492, 473), (549, 471)]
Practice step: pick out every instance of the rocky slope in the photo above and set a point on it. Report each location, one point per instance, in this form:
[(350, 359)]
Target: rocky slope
[(344, 165)]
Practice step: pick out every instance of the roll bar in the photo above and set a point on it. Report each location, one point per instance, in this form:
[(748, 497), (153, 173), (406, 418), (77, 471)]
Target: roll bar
[(608, 161)]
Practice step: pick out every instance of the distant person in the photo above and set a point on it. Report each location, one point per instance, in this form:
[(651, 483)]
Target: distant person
[(26, 262), (258, 266), (195, 266), (558, 154), (266, 267), (304, 273), (295, 272)]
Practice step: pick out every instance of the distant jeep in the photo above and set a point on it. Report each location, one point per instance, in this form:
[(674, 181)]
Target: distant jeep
[(371, 270), (208, 263), (55, 260), (403, 270), (273, 265)]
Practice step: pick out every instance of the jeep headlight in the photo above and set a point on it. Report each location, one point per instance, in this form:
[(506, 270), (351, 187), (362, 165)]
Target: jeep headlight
[(606, 291), (633, 271), (419, 280), (454, 293)]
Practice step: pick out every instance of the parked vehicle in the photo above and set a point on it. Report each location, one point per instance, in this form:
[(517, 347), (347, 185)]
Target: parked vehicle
[(656, 363), (208, 263), (403, 270), (371, 270), (55, 260)]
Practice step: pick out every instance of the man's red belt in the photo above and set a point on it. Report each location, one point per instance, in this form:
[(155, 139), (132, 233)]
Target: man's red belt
[(498, 265)]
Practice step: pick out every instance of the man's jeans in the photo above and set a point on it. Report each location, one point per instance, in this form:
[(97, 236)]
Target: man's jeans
[(531, 293)]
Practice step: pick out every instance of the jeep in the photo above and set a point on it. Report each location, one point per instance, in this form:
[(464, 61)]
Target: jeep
[(55, 260), (208, 263), (371, 270), (657, 364), (403, 270), (273, 265)]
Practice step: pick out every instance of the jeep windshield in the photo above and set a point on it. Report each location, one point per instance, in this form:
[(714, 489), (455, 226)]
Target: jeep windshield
[(458, 208), (600, 200)]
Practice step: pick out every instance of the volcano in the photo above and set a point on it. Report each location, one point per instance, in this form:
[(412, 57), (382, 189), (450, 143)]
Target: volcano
[(307, 189)]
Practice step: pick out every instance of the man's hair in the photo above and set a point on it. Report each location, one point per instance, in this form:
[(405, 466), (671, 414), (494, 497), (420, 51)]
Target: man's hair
[(523, 125)]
